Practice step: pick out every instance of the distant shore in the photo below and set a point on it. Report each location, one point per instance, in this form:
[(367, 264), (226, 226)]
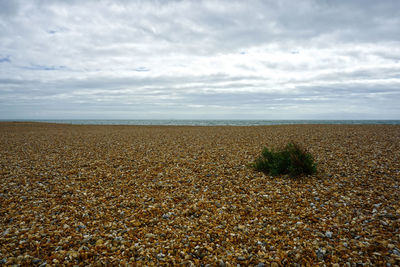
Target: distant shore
[(216, 122), (167, 195)]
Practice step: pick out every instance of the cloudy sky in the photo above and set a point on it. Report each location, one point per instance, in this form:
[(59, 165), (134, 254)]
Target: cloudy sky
[(247, 59)]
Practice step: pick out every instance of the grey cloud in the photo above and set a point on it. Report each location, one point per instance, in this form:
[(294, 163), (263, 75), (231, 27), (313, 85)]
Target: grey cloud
[(199, 56), (141, 69), (8, 8), (363, 73), (5, 59), (42, 67)]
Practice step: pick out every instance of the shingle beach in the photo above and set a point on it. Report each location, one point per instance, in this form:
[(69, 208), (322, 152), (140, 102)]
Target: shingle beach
[(172, 195)]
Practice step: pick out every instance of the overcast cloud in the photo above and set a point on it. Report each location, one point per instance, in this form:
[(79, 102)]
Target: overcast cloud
[(200, 59)]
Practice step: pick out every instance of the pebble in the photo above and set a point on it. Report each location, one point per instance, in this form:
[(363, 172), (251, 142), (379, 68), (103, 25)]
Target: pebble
[(6, 232), (80, 226), (36, 261), (167, 215), (396, 252), (241, 227), (160, 256), (221, 263), (149, 235), (320, 254), (99, 242), (118, 239), (183, 194)]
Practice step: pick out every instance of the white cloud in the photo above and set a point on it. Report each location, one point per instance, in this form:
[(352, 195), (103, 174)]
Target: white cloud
[(183, 59)]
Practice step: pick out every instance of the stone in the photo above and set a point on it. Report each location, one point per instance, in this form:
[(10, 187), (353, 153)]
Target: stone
[(36, 261), (297, 257), (150, 235), (396, 252), (241, 227), (6, 232), (320, 254), (160, 256), (99, 242), (80, 226), (118, 239), (166, 215), (221, 263), (117, 201)]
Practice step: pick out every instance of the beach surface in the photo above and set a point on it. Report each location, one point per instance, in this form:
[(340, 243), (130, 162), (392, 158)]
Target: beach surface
[(170, 195)]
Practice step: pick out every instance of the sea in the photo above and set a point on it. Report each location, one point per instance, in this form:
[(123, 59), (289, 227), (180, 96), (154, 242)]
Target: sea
[(212, 122)]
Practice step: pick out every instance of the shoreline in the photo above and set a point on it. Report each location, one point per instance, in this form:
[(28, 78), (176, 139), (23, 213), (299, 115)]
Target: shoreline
[(214, 122), (167, 195)]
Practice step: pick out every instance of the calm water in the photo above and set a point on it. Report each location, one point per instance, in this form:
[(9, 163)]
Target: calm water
[(216, 122)]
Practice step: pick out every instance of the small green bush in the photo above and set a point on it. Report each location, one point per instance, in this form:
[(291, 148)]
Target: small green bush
[(292, 160)]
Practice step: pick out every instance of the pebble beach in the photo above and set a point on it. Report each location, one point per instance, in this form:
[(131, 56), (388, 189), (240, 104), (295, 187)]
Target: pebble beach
[(90, 195)]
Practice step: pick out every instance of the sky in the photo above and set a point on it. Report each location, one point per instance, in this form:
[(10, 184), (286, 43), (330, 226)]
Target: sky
[(253, 59)]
